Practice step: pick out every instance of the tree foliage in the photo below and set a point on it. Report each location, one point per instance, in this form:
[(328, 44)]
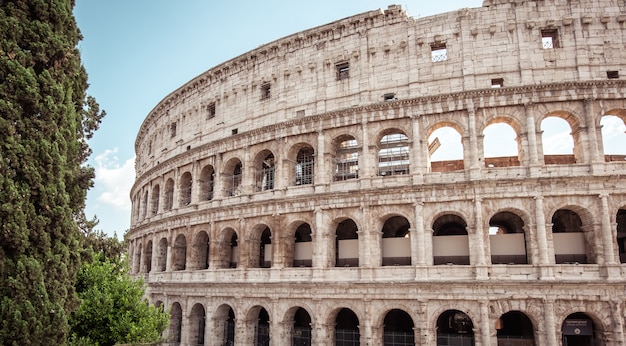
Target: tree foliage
[(45, 120), (113, 309)]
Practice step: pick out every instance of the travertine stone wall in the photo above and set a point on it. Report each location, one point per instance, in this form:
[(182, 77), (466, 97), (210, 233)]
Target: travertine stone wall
[(224, 196)]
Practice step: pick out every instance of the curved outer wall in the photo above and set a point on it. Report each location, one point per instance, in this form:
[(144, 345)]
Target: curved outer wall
[(248, 198)]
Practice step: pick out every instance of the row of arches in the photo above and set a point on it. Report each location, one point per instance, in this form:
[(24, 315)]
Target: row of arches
[(511, 241), (394, 327), (504, 143)]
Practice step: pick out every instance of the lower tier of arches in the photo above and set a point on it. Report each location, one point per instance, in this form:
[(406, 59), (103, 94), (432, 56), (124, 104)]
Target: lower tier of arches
[(544, 314)]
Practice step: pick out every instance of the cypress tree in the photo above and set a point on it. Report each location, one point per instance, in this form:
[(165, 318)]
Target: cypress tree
[(45, 120)]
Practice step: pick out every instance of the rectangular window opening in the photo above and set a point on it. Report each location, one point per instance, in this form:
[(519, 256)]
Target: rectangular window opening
[(497, 82), (389, 96), (343, 70), (612, 74), (210, 110), (550, 38), (439, 52), (265, 91), (234, 131)]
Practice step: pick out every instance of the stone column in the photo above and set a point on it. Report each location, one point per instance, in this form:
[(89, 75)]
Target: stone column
[(485, 328), (592, 133), (618, 321), (365, 159), (321, 238), (418, 237), (607, 232), (542, 241), (474, 165), (417, 164), (550, 324), (531, 130), (479, 238), (321, 170)]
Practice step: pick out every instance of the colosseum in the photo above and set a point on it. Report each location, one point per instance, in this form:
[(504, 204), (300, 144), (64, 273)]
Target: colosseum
[(301, 193)]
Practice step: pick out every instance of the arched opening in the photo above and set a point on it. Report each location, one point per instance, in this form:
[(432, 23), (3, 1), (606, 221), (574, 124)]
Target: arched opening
[(169, 194), (301, 335), (621, 234), (450, 241), (613, 138), (507, 239), (500, 145), (176, 323), (233, 174), (264, 171), (396, 242), (557, 140), (346, 158), (455, 328), (179, 253), (445, 150), (137, 260), (155, 200), (262, 328), (398, 329), (224, 330), (347, 328), (200, 256), (393, 154), (147, 257), (578, 329), (185, 189), (207, 183), (347, 244), (197, 325), (303, 249), (233, 253), (162, 255), (570, 246), (265, 251), (305, 166), (144, 209), (514, 328)]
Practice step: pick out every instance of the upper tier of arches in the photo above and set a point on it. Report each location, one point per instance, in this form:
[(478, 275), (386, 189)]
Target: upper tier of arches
[(383, 56)]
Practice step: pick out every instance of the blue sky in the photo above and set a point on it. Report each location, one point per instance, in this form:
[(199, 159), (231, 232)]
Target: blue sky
[(138, 51)]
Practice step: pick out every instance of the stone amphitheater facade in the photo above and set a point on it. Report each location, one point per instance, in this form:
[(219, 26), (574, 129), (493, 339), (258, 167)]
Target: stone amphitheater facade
[(290, 196)]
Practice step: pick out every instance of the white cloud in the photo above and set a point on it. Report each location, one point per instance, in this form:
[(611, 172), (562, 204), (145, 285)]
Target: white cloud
[(114, 179)]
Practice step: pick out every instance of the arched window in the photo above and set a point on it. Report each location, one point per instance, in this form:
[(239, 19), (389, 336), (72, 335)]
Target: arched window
[(303, 248), (200, 256), (613, 138), (347, 244), (507, 239), (185, 189), (569, 241), (305, 166), (501, 146), (197, 325), (301, 334), (558, 143), (515, 327), (579, 329), (445, 150), (147, 257), (398, 329), (176, 323), (396, 242), (621, 234), (162, 255), (232, 178), (454, 328), (207, 183), (450, 240), (265, 171), (179, 253), (393, 154), (156, 190), (347, 328), (346, 159), (169, 194)]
